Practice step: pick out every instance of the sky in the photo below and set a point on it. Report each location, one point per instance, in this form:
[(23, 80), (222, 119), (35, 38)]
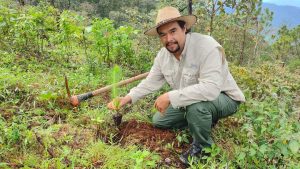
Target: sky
[(284, 2)]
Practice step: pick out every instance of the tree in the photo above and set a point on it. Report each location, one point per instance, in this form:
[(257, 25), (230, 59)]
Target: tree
[(247, 13), (237, 24), (287, 44), (212, 8)]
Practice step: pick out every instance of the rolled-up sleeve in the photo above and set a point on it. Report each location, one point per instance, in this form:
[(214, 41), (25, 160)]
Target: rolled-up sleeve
[(209, 83), (153, 82)]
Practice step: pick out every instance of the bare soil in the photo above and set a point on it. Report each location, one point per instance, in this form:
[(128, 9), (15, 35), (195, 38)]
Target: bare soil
[(156, 140)]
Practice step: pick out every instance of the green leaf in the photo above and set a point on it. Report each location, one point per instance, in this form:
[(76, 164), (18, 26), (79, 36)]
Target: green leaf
[(263, 148), (294, 146), (252, 152), (47, 95), (4, 165), (284, 150), (242, 155), (88, 29)]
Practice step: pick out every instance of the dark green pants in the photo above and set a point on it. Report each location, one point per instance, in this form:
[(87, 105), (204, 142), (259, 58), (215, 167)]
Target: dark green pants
[(199, 117)]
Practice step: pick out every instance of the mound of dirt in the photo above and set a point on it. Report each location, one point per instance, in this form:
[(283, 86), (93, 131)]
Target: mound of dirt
[(155, 139)]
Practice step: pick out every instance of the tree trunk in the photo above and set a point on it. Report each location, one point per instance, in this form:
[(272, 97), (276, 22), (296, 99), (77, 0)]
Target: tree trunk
[(69, 4), (22, 2), (297, 50), (52, 3), (190, 9), (256, 41), (108, 59), (190, 4), (243, 43), (296, 42), (212, 17)]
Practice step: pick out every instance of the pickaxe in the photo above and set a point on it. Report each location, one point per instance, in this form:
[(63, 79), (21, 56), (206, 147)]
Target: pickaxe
[(76, 99)]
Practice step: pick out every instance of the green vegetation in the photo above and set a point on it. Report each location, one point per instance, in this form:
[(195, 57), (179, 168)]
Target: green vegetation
[(41, 42)]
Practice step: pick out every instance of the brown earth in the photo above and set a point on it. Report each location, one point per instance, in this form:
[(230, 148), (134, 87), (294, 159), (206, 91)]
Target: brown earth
[(156, 140)]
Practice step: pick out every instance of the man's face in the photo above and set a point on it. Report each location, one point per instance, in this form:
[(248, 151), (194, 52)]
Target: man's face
[(172, 37)]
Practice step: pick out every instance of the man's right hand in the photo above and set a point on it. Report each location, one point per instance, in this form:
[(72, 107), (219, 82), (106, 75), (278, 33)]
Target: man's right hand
[(119, 102)]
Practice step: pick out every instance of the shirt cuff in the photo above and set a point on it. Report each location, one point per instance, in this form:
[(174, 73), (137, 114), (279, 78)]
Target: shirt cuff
[(174, 98), (133, 98)]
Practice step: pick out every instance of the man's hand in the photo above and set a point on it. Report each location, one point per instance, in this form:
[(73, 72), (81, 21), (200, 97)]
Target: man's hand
[(162, 103), (119, 102)]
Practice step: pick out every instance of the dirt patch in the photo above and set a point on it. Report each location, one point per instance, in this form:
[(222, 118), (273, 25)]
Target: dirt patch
[(161, 141), (64, 103), (79, 137), (7, 113)]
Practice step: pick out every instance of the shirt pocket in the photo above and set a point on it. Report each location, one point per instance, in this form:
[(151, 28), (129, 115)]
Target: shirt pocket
[(190, 78), (169, 78)]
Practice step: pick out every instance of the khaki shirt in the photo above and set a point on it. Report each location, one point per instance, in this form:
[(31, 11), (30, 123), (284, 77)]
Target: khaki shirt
[(200, 75)]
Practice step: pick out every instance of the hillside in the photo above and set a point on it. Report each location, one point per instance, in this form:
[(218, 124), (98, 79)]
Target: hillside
[(288, 15)]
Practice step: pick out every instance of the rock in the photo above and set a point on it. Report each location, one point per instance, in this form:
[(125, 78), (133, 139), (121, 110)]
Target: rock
[(168, 160)]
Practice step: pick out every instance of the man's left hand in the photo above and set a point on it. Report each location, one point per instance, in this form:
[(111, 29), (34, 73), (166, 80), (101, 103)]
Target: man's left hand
[(162, 103)]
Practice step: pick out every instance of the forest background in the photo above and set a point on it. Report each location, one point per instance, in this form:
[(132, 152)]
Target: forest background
[(41, 41)]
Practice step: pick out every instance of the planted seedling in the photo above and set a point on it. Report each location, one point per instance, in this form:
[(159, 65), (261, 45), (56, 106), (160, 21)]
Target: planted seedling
[(117, 117), (116, 76)]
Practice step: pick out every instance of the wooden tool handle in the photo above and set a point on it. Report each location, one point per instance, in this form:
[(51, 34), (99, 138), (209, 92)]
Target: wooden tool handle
[(75, 100)]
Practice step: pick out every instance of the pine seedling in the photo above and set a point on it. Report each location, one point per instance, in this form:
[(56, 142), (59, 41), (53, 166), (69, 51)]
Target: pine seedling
[(116, 77)]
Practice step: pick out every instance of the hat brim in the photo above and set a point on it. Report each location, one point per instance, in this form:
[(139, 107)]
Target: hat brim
[(189, 20)]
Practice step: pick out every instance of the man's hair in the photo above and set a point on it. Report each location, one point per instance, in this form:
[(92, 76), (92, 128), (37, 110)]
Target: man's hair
[(182, 25)]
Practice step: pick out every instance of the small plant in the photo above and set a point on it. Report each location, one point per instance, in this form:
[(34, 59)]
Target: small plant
[(115, 77), (170, 146), (143, 159), (182, 137)]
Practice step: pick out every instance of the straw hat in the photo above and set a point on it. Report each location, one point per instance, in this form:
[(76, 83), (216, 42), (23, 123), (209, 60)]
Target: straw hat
[(169, 14)]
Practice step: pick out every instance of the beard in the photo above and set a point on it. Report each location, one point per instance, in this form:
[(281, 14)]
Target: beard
[(173, 49)]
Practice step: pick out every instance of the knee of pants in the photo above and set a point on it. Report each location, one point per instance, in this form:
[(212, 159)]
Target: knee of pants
[(198, 109), (201, 107), (155, 120), (158, 122)]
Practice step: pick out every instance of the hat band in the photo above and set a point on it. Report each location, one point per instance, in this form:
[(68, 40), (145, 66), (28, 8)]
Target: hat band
[(164, 21)]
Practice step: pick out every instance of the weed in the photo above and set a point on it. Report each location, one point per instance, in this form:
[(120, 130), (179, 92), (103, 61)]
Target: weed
[(182, 137)]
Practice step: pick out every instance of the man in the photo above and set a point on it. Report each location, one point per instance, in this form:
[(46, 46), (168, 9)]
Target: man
[(195, 67)]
